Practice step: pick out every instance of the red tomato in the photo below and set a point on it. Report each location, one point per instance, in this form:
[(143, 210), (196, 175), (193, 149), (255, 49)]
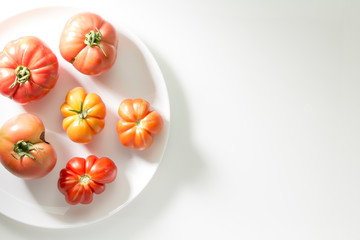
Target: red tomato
[(23, 149), (28, 70), (138, 125), (83, 177), (89, 43)]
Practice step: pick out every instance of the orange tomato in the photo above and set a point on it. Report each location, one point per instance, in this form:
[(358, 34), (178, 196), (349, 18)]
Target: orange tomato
[(138, 124), (84, 115), (89, 43)]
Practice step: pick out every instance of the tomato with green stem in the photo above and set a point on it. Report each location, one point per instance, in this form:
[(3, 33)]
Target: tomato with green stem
[(28, 70), (23, 149), (89, 43), (84, 115)]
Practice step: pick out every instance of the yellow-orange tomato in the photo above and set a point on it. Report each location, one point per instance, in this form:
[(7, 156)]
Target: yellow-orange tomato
[(84, 115), (138, 124)]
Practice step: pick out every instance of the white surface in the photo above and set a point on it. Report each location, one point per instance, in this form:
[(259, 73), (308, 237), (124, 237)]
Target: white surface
[(135, 75), (264, 138)]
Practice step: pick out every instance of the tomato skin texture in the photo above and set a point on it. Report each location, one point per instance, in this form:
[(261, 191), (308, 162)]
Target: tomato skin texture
[(138, 125), (83, 177), (29, 128), (89, 60), (84, 115), (32, 53)]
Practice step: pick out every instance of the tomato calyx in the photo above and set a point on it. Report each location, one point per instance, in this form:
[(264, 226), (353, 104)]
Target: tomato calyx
[(84, 179), (82, 113), (93, 39), (138, 123), (23, 148), (22, 75)]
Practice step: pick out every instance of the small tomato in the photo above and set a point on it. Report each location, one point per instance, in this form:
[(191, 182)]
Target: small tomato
[(138, 124), (83, 177), (84, 115), (23, 149)]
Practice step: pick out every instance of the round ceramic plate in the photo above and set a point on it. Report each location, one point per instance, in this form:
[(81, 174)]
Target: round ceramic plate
[(134, 75)]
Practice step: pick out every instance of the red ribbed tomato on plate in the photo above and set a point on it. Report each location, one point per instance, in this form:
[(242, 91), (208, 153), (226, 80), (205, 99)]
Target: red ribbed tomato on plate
[(28, 69)]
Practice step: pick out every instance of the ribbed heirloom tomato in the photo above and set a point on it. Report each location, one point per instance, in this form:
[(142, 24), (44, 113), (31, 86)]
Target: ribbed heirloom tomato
[(83, 177), (23, 148), (89, 43), (28, 69), (138, 125), (84, 115)]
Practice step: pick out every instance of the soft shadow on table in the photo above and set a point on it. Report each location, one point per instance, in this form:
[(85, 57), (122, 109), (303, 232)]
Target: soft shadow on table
[(182, 166)]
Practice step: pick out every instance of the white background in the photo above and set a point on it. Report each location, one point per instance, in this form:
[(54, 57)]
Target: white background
[(265, 114)]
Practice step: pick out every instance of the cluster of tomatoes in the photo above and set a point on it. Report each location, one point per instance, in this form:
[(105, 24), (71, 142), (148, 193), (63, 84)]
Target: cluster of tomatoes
[(29, 70)]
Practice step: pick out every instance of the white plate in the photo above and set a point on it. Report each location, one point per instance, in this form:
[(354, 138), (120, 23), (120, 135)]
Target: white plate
[(134, 75)]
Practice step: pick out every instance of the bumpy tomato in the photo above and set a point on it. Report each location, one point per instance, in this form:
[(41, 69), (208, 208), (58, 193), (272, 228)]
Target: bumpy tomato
[(84, 115), (28, 70), (138, 124), (89, 43), (23, 149), (83, 177)]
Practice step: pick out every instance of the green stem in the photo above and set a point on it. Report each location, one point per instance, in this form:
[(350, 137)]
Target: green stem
[(23, 148), (93, 39), (22, 75), (82, 113)]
